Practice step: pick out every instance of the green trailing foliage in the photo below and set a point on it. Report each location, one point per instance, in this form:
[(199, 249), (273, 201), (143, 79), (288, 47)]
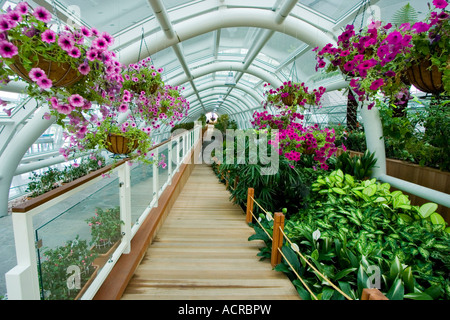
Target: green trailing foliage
[(352, 229)]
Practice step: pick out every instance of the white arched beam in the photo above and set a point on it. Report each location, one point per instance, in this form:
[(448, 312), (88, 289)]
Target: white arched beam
[(227, 18)]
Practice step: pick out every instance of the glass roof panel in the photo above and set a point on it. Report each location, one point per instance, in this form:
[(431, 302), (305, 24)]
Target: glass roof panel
[(331, 8)]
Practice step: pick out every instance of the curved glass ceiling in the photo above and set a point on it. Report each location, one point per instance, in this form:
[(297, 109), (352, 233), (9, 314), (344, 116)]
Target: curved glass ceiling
[(199, 42)]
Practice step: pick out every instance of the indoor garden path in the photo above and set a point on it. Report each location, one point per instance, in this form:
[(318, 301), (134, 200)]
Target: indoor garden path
[(202, 251)]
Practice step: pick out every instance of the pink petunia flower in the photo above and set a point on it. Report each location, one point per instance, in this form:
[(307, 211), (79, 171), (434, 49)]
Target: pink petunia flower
[(420, 27), (48, 36), (84, 68), (7, 49), (74, 52), (42, 14), (440, 4), (66, 43), (44, 83), (22, 7), (64, 109), (376, 84), (37, 73), (76, 100)]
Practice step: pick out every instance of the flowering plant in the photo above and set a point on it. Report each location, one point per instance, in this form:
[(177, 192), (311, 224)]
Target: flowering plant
[(431, 41), (141, 76), (292, 94), (28, 45), (371, 58), (295, 139)]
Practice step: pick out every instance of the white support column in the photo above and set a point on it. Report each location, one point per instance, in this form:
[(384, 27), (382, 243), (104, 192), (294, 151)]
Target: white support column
[(125, 204), (156, 177), (374, 138), (22, 281)]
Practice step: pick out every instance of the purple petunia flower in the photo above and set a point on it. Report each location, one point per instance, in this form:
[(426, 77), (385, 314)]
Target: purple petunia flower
[(74, 52), (123, 107), (76, 100), (37, 73), (91, 55), (85, 31), (109, 39), (420, 27), (22, 7), (6, 23), (15, 16), (7, 49), (84, 68), (376, 84), (66, 43), (100, 44), (44, 83), (440, 4), (42, 14), (48, 36), (64, 108)]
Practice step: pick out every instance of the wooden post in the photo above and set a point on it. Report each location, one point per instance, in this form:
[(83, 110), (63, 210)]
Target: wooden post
[(250, 195), (236, 181), (227, 177), (277, 238), (372, 294)]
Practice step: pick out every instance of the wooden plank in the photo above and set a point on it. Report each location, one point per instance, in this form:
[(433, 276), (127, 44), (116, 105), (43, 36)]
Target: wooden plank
[(202, 251)]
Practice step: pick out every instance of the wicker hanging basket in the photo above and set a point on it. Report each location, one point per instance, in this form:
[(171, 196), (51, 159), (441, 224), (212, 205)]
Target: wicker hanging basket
[(288, 100), (425, 77), (61, 73), (119, 144)]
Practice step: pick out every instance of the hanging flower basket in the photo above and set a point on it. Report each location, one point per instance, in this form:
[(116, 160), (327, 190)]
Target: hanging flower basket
[(61, 73), (425, 77), (288, 100), (119, 144)]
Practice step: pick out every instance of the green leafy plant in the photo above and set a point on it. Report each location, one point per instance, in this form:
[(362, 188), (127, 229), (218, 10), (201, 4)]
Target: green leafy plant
[(53, 177), (354, 227), (57, 265), (358, 166), (105, 228)]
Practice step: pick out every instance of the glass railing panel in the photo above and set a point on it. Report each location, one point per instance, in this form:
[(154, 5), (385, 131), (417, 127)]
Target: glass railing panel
[(78, 238), (163, 167), (141, 189)]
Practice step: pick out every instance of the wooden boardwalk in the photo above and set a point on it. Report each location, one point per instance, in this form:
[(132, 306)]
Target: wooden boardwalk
[(202, 252)]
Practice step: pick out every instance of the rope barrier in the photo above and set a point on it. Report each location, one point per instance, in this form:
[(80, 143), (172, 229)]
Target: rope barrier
[(300, 278), (295, 248), (314, 268)]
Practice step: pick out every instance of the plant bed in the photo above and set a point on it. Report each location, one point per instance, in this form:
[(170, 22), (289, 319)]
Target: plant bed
[(352, 228), (427, 177), (67, 271)]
